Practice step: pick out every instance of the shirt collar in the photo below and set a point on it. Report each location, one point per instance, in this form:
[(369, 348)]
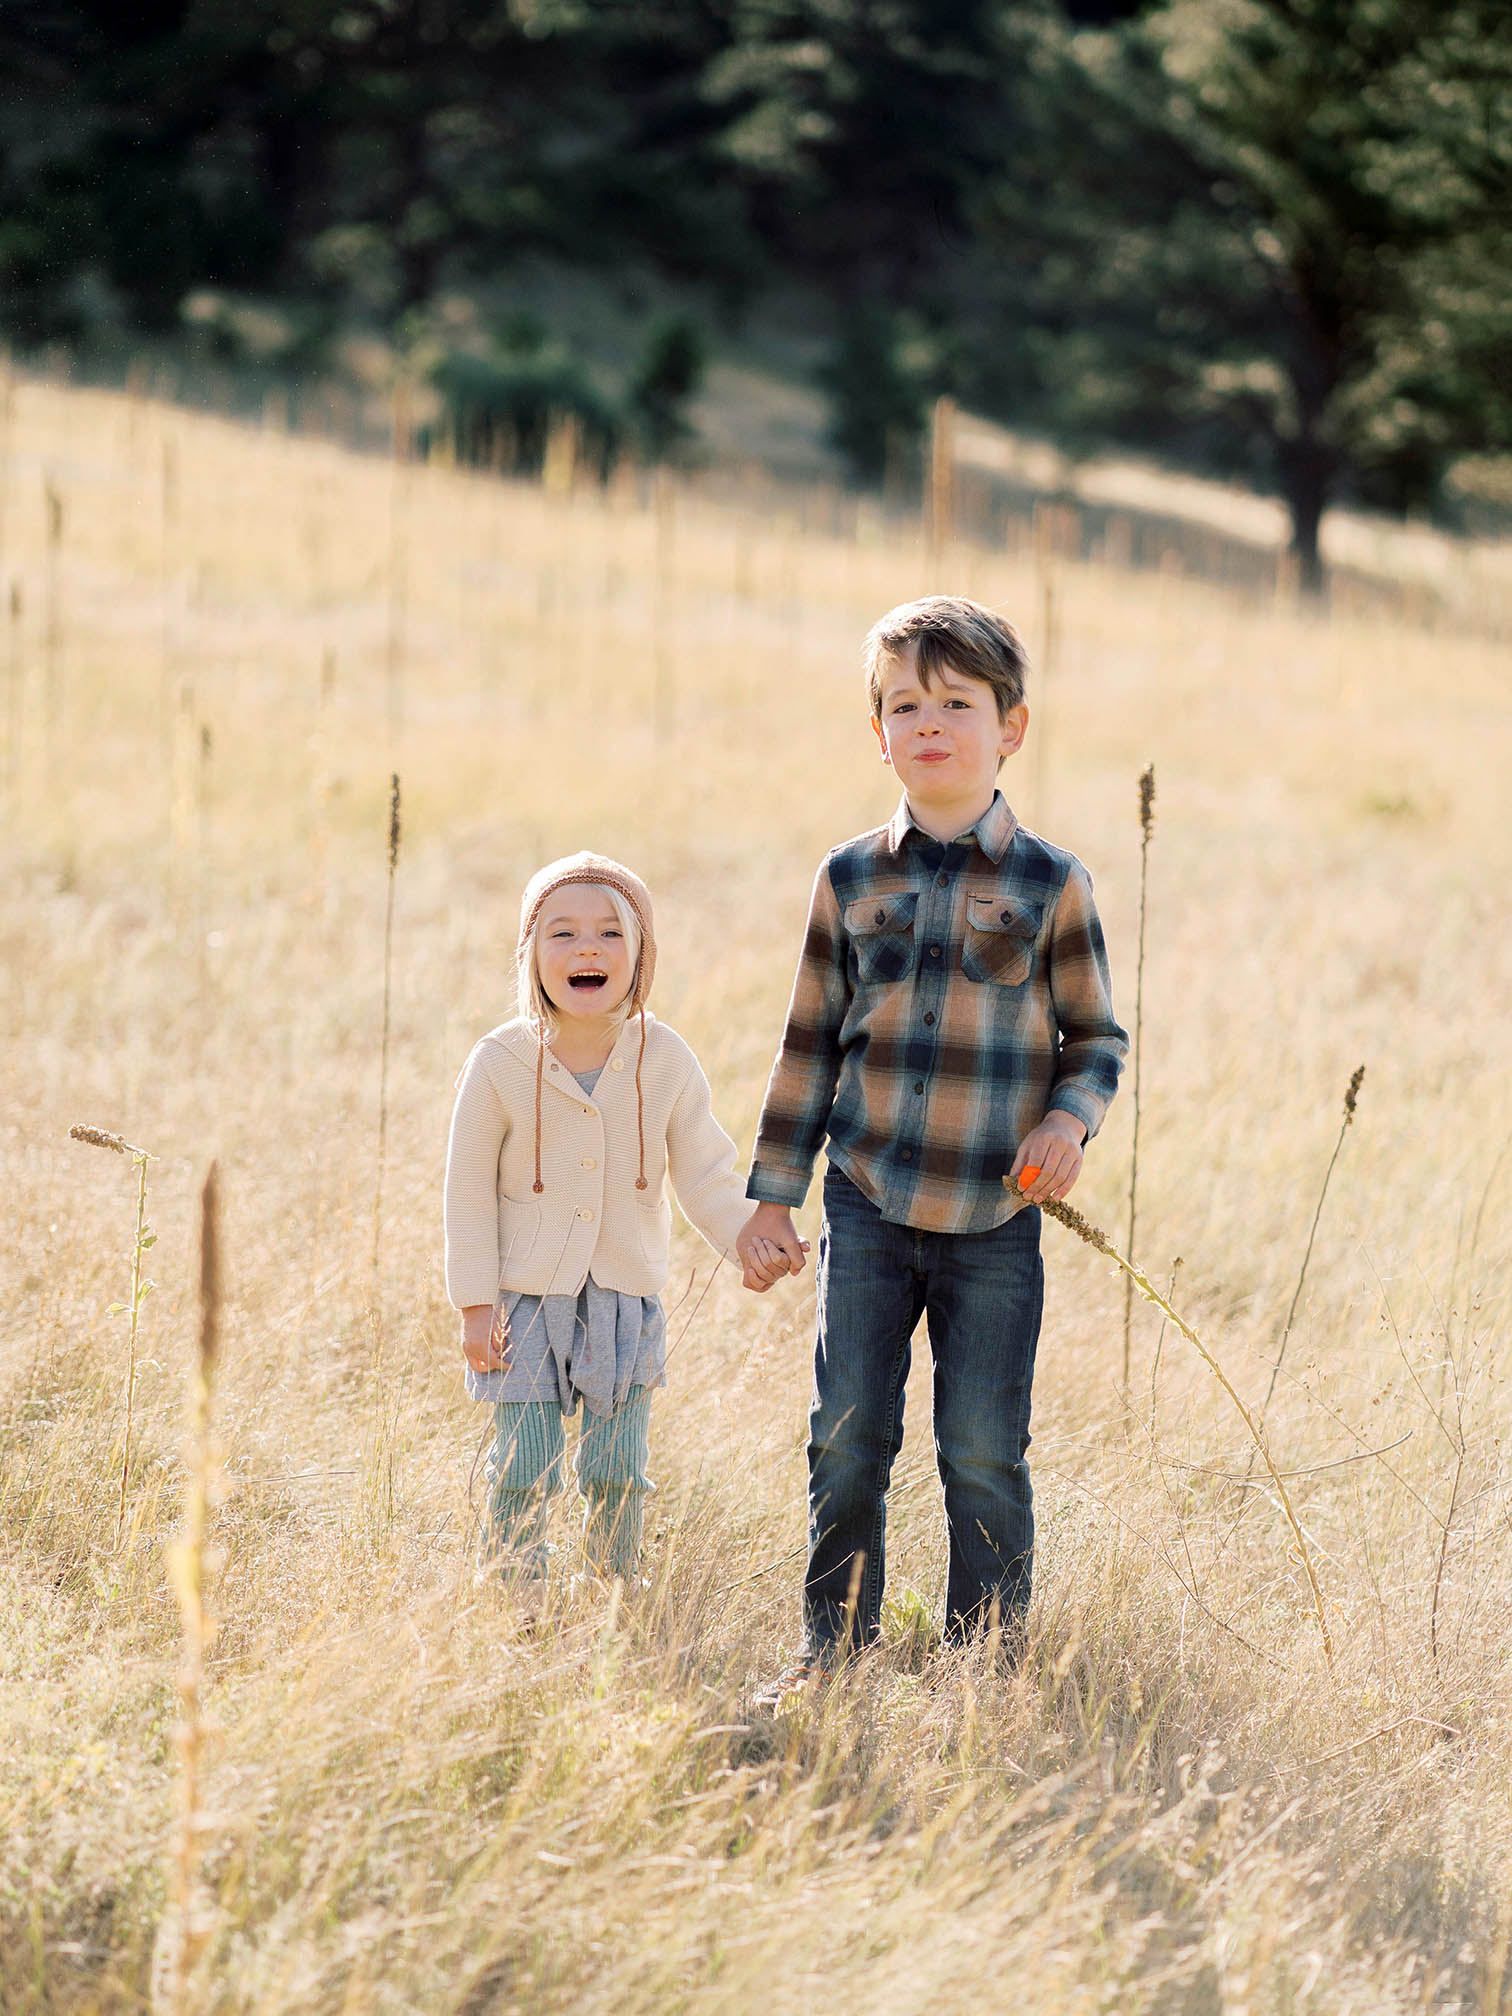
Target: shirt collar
[(992, 832)]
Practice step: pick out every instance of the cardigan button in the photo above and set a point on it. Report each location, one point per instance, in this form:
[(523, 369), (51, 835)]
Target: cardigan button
[(617, 1064), (585, 1214), (588, 1163)]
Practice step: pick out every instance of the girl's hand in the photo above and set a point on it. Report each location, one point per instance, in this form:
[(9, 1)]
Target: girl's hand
[(485, 1339), (762, 1263), (768, 1247)]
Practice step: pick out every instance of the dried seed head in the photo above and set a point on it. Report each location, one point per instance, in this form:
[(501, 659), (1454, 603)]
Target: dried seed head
[(210, 1282), (394, 828), (1073, 1221), (1147, 800), (1353, 1093), (96, 1137)]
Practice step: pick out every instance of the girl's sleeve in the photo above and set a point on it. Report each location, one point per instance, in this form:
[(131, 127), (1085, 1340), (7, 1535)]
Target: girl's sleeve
[(478, 1130), (701, 1163)]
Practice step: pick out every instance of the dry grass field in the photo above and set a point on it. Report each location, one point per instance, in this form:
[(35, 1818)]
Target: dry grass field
[(217, 645)]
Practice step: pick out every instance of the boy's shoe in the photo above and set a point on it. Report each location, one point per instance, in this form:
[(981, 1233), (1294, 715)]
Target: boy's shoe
[(791, 1683)]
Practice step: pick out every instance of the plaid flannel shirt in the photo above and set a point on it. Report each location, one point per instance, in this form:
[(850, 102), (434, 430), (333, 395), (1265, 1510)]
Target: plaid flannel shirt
[(948, 995)]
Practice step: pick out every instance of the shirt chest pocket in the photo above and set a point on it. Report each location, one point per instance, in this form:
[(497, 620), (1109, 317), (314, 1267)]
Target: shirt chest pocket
[(881, 934), (1000, 939)]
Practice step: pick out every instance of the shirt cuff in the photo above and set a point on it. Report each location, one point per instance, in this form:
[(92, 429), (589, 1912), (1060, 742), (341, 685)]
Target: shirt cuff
[(772, 1185), (1083, 1106)]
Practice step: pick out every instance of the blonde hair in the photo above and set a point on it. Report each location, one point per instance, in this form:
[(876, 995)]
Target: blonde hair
[(533, 1001)]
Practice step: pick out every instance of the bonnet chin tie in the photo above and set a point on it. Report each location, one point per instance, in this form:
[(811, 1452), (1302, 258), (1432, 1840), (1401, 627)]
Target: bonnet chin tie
[(538, 1186), (640, 1105)]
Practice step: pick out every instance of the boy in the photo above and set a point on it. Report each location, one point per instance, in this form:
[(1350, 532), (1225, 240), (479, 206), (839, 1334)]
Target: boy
[(951, 1026)]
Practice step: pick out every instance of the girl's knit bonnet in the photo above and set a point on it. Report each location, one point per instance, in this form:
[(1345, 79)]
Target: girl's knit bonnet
[(596, 868)]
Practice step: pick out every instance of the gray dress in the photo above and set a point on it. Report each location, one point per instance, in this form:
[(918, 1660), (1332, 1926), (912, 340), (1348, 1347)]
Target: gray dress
[(592, 1346)]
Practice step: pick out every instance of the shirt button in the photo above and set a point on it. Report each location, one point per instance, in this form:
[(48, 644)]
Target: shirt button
[(934, 951), (585, 1214), (908, 1154), (942, 881), (929, 1019), (588, 1163), (918, 1084)]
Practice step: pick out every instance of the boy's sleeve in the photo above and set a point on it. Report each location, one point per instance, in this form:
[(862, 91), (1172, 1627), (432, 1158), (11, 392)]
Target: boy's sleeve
[(701, 1163), (801, 1090), (1092, 1044), (478, 1128)]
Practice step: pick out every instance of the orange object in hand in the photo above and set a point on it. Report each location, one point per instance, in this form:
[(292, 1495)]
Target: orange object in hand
[(1028, 1176)]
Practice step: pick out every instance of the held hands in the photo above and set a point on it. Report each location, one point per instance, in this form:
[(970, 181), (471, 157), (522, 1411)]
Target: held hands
[(769, 1247), (1050, 1157), (485, 1340)]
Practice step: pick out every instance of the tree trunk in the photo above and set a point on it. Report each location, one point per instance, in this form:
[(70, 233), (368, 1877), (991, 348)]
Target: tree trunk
[(1309, 463), (1307, 476)]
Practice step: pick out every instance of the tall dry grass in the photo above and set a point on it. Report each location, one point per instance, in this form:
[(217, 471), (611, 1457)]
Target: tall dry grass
[(410, 1803)]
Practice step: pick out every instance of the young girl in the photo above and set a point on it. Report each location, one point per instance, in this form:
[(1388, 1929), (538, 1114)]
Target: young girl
[(568, 1121)]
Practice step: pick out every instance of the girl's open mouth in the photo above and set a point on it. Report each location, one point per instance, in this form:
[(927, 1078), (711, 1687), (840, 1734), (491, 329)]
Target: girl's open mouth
[(587, 983)]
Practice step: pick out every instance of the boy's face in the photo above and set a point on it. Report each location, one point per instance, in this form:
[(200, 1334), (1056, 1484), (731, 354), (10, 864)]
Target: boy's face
[(947, 740), (581, 954)]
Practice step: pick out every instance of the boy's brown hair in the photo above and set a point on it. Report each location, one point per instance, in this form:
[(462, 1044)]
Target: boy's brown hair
[(948, 630)]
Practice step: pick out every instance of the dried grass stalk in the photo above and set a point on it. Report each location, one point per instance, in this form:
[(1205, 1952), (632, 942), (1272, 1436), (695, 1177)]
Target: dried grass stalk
[(187, 1567), (1146, 827), (1072, 1219), (394, 833), (145, 1240), (1351, 1097)]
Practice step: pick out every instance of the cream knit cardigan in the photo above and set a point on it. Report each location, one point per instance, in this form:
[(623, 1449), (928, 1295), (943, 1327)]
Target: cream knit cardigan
[(589, 1216)]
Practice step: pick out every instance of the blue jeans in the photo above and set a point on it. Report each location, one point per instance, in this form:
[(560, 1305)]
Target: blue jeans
[(982, 1293)]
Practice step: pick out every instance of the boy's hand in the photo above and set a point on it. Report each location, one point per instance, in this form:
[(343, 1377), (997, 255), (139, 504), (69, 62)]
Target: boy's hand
[(1054, 1151), (768, 1247), (485, 1340)]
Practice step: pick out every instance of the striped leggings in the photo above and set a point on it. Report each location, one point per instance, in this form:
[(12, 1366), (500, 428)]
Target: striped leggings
[(525, 1472)]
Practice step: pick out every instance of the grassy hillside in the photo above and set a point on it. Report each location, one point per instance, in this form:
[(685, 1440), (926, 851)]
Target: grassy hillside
[(220, 643)]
